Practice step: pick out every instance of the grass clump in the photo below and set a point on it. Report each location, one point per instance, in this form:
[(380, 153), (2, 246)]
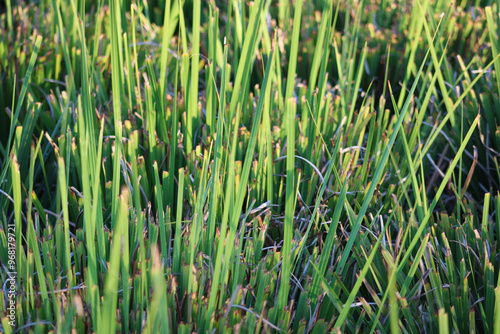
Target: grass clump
[(303, 166)]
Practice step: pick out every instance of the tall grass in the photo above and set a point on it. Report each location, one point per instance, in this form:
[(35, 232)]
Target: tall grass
[(301, 166)]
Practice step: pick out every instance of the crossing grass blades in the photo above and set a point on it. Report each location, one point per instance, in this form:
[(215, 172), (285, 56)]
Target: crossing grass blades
[(268, 166)]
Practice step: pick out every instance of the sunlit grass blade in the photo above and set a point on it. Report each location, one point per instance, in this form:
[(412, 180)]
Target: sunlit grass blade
[(120, 238), (290, 198), (192, 120), (64, 202)]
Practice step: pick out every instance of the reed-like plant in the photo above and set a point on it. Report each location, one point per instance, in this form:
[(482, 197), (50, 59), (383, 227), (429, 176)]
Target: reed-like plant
[(298, 166)]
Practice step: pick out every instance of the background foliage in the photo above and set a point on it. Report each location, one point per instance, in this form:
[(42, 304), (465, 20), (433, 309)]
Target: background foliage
[(302, 166)]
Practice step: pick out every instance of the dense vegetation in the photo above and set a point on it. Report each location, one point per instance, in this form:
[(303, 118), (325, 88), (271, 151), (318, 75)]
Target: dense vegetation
[(283, 166)]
